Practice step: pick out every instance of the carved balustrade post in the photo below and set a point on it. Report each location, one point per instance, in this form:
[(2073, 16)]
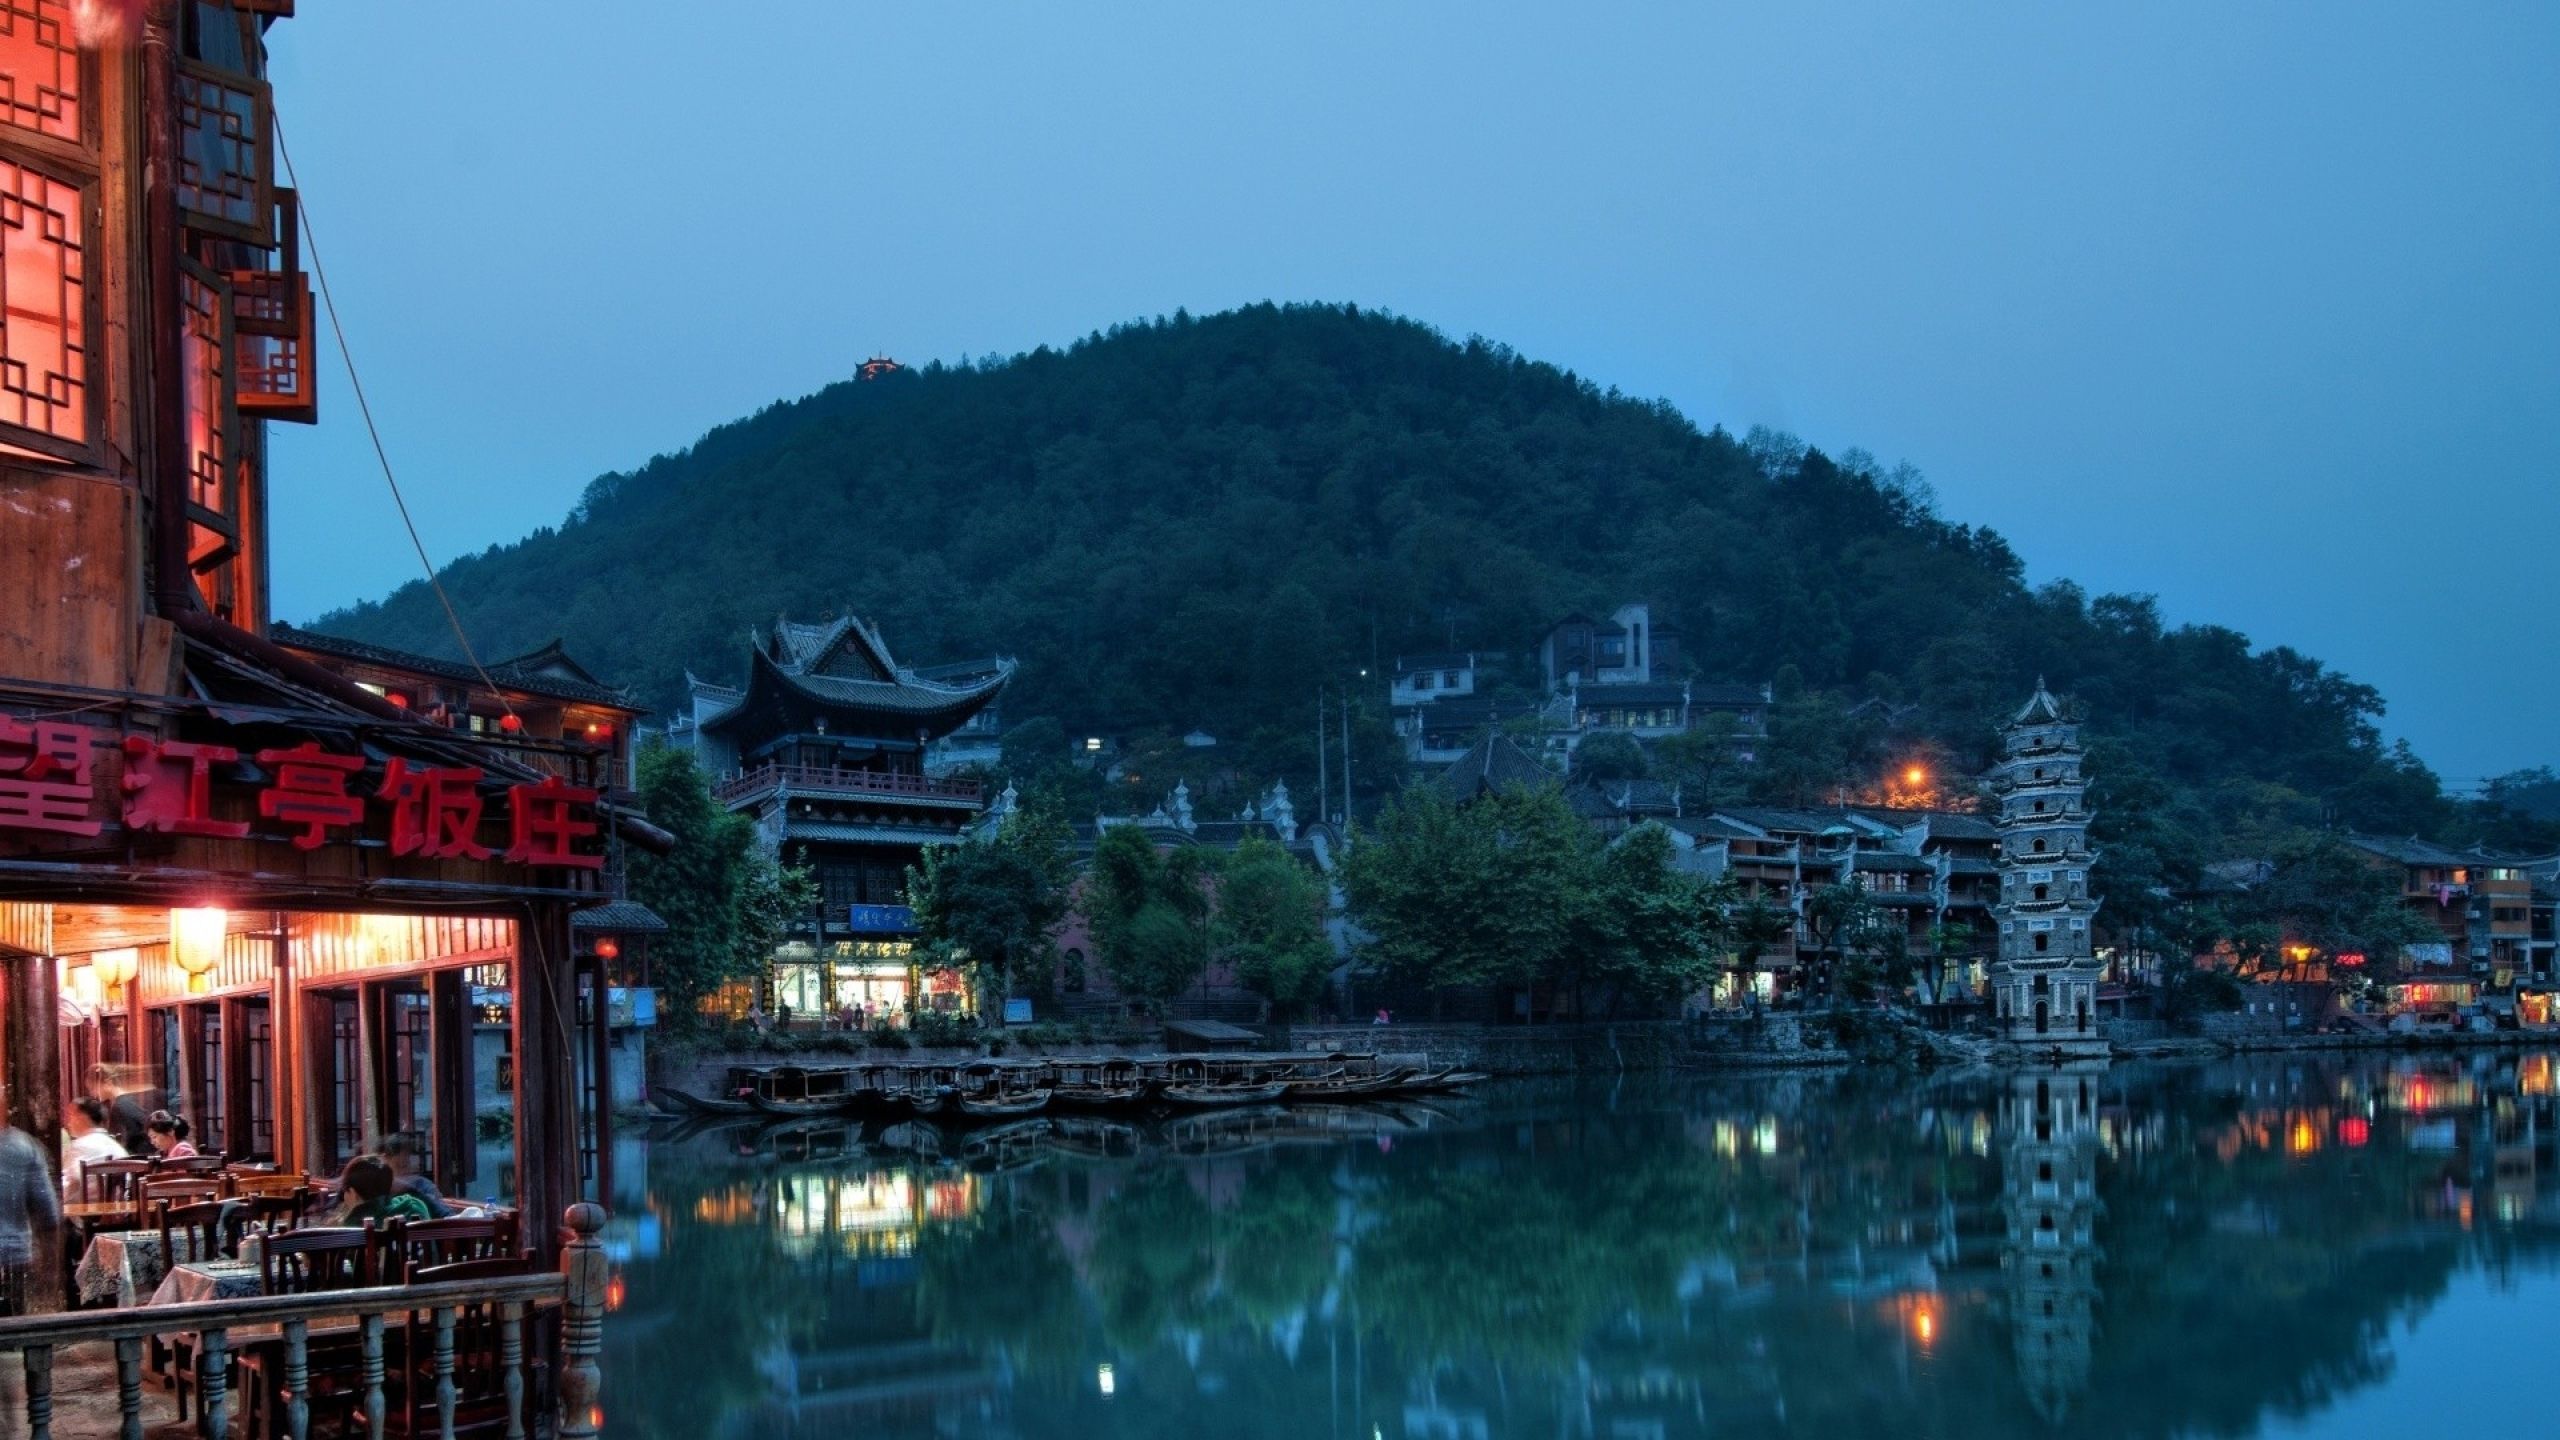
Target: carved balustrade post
[(584, 1265)]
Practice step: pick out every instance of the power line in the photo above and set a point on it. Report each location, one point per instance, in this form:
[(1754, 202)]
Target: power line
[(355, 383)]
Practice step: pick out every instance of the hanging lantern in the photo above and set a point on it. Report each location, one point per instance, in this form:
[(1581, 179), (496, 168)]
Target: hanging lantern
[(115, 970), (608, 948), (195, 942), (511, 722)]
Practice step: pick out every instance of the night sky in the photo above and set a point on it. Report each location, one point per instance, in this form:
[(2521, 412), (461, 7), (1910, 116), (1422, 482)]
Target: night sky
[(2251, 307)]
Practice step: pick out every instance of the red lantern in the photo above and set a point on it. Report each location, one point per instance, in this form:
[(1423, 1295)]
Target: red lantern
[(398, 700), (511, 722), (608, 948)]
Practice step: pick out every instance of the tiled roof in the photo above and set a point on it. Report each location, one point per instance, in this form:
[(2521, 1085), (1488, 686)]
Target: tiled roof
[(520, 672), (2411, 851), (843, 833), (1708, 827), (1722, 694), (1492, 763), (1894, 860), (629, 916), (1632, 692), (799, 658), (1443, 660)]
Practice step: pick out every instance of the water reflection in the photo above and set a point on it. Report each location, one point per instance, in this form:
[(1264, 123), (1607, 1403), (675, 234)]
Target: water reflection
[(2133, 1252)]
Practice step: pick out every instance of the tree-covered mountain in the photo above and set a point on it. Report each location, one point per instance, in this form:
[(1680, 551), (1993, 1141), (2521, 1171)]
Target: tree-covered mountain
[(1197, 522)]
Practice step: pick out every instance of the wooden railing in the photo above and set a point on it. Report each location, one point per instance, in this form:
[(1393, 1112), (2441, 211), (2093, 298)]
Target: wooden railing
[(732, 788), (578, 1289)]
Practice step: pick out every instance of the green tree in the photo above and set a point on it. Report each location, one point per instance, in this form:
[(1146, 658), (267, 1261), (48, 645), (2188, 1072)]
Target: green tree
[(995, 903), (1610, 756), (1148, 914), (727, 902), (1270, 926), (1758, 928), (1654, 933), (1481, 894)]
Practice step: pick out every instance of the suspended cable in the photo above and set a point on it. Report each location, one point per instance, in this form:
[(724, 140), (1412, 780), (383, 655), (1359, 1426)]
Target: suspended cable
[(355, 383)]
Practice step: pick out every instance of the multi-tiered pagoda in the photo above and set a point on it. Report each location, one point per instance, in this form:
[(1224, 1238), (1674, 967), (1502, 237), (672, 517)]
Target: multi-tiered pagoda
[(824, 744), (2044, 985)]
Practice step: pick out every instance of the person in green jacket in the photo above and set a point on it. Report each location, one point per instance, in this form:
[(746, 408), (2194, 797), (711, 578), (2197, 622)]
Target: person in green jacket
[(371, 1193)]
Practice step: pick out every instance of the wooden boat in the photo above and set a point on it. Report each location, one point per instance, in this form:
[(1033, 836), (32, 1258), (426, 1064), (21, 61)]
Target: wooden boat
[(1128, 1096), (927, 1102), (1452, 1078), (1222, 1097), (685, 1102), (788, 1090), (1339, 1086), (1003, 1105)]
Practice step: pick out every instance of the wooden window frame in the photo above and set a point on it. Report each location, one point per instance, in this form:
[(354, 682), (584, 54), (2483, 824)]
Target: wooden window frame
[(259, 232), (78, 165)]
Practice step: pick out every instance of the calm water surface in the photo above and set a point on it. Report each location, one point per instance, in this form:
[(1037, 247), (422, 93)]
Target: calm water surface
[(2366, 1247)]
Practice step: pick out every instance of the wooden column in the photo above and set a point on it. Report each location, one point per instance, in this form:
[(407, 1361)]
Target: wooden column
[(31, 1041), (545, 979), (600, 1042), (457, 1132)]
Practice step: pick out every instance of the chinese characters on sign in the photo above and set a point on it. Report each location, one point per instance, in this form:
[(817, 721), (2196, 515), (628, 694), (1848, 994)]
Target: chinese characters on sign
[(167, 789), (44, 777)]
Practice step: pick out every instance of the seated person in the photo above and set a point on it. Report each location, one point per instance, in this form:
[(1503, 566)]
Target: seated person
[(169, 1135), (85, 1138), (407, 1158), (367, 1187)]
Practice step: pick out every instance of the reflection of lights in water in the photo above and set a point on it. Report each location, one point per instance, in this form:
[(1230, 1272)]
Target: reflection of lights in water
[(613, 1293), (2354, 1131), (1924, 1323), (2302, 1139), (1103, 1379), (1728, 1139), (1764, 1138)]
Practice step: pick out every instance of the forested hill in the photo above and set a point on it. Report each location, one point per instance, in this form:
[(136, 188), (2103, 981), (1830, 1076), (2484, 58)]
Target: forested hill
[(1196, 522)]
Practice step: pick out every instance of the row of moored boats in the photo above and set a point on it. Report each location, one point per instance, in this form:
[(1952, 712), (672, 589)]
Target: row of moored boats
[(999, 1090)]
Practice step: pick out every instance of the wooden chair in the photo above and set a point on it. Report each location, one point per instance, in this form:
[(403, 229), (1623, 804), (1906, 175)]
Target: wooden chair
[(268, 1181), (102, 1180), (168, 1165), (317, 1258), (479, 1357), (435, 1243), (150, 1194), (274, 1214), (189, 1233)]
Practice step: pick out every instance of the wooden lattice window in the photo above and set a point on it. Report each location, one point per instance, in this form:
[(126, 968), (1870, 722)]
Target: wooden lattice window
[(225, 156), (271, 322), (44, 313), (206, 379), (42, 88)]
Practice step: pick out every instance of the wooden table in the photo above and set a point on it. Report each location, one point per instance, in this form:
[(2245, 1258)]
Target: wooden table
[(122, 1266)]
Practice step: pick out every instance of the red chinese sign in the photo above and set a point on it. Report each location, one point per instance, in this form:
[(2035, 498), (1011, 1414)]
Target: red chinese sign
[(44, 776), (167, 788), (435, 811)]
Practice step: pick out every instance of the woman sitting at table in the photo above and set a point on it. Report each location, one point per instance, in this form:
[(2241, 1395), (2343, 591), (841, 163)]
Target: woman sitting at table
[(369, 1188), (169, 1135)]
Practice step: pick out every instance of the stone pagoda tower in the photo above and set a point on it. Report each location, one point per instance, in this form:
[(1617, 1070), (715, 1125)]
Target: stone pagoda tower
[(2044, 983)]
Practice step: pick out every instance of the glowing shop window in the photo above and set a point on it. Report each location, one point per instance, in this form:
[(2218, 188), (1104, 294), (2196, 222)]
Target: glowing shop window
[(44, 362), (39, 68)]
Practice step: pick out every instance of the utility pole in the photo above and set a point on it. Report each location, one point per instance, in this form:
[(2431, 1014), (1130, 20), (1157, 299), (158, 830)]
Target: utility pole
[(1324, 779), (1346, 770)]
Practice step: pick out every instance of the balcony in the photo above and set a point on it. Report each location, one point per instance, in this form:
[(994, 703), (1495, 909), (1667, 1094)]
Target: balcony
[(815, 780)]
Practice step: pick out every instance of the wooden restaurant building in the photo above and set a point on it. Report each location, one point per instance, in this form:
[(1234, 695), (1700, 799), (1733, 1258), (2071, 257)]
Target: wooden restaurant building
[(275, 895)]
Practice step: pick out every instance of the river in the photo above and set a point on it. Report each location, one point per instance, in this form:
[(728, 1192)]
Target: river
[(2321, 1247)]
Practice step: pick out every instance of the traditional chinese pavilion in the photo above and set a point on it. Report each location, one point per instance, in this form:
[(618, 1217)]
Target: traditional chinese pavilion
[(824, 743), (276, 896)]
